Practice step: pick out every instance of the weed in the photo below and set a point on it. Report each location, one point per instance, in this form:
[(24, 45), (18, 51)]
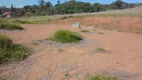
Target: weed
[(138, 32), (35, 43), (84, 31), (100, 33), (100, 49), (101, 77), (66, 36), (66, 75), (60, 50)]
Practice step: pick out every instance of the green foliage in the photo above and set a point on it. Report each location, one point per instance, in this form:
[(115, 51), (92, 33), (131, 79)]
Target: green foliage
[(10, 26), (24, 21), (66, 36), (11, 52), (85, 31), (101, 77)]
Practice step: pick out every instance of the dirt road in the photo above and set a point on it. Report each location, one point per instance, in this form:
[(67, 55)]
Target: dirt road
[(56, 61)]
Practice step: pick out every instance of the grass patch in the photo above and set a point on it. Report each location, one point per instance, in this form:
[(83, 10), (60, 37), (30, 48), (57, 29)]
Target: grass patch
[(84, 31), (101, 77), (66, 36), (100, 49), (10, 26), (24, 21), (11, 52), (100, 33), (138, 32)]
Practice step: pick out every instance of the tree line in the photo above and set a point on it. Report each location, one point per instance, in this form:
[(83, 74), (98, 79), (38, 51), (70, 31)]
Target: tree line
[(68, 7)]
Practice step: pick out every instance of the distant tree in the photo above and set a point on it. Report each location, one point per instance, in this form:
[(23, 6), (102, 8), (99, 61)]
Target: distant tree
[(48, 4), (97, 7), (119, 4), (58, 2), (41, 3)]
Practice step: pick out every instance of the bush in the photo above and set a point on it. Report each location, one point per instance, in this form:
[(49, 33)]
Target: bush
[(84, 30), (10, 51), (101, 77), (10, 26), (66, 36), (23, 21)]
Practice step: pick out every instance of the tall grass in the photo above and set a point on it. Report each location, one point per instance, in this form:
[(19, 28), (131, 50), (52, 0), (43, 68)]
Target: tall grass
[(11, 52), (66, 36)]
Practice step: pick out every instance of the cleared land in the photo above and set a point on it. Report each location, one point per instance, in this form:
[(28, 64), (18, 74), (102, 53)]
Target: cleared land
[(116, 52)]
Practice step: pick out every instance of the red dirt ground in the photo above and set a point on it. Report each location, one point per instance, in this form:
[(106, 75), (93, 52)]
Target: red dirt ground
[(51, 61)]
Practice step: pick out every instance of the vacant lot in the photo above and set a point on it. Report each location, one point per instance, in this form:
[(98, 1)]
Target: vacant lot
[(111, 45)]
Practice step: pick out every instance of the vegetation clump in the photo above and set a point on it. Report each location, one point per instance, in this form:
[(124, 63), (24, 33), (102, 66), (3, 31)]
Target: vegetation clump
[(23, 21), (11, 52), (10, 26), (101, 77), (100, 49), (85, 31), (100, 33), (138, 32), (66, 36)]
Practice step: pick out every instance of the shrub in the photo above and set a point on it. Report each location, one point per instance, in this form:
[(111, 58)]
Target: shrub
[(66, 36), (10, 51), (10, 26), (84, 30), (24, 21), (101, 77)]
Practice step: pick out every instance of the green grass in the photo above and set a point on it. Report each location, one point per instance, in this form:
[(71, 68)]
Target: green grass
[(11, 52), (101, 77), (100, 49), (23, 21), (10, 26), (84, 31), (66, 36)]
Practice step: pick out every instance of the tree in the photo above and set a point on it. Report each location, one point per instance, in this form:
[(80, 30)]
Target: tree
[(58, 2), (41, 3), (48, 4), (119, 4)]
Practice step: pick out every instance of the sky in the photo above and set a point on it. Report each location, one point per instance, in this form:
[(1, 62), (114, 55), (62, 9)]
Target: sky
[(21, 3)]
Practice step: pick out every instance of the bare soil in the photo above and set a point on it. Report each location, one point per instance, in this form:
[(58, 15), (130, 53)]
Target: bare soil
[(57, 61)]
